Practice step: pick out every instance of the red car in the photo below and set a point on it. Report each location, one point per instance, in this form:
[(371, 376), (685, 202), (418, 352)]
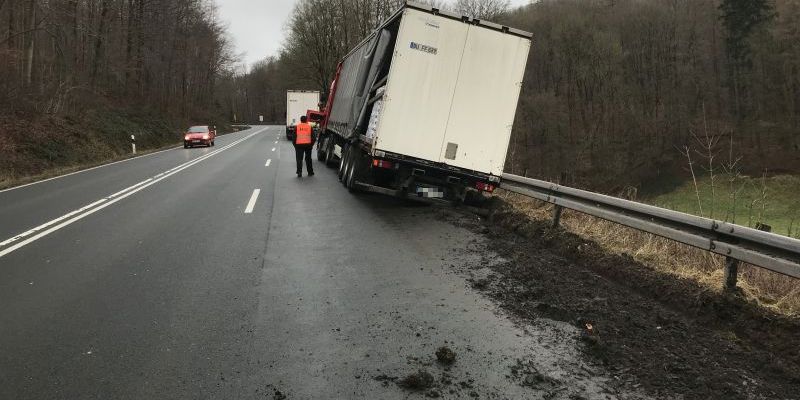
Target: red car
[(196, 135)]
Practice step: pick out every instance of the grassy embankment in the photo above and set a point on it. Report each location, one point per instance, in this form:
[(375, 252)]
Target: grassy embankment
[(772, 201), (36, 147)]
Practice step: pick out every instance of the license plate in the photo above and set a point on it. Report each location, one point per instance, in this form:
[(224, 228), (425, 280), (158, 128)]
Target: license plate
[(196, 141), (430, 192)]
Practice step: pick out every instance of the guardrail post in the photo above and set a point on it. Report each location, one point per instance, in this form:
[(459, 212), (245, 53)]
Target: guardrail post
[(557, 210), (731, 273), (732, 264), (557, 216), (133, 144)]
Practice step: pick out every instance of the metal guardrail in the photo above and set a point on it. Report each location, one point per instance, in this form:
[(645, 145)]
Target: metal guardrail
[(737, 243)]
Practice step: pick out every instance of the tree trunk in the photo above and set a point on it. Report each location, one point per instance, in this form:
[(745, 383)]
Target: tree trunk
[(98, 44), (31, 44), (11, 24), (139, 69), (75, 39), (129, 63)]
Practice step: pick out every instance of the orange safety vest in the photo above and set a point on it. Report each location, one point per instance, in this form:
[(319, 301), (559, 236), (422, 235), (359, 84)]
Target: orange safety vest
[(303, 133)]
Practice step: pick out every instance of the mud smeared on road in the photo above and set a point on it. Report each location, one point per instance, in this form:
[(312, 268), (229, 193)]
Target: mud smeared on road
[(445, 355), (652, 332), (419, 380)]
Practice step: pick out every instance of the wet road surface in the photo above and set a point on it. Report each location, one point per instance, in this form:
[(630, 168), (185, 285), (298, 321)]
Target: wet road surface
[(217, 273)]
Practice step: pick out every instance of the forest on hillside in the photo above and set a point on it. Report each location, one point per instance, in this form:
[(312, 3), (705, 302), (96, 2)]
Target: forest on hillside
[(77, 77), (617, 93), (58, 56)]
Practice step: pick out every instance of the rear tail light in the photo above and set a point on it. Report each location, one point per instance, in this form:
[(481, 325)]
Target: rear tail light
[(382, 164), (485, 187)]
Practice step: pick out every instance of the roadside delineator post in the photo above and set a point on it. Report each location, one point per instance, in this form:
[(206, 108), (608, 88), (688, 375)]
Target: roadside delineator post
[(133, 144)]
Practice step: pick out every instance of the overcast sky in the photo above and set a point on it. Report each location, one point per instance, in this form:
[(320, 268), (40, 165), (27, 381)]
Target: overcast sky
[(257, 26)]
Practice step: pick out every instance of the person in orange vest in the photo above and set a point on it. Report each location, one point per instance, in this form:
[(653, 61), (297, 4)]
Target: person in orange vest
[(303, 143)]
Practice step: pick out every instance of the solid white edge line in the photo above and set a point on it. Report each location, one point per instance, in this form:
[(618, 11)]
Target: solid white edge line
[(70, 214), (128, 192), (252, 203), (92, 168), (88, 169), (130, 188), (45, 225)]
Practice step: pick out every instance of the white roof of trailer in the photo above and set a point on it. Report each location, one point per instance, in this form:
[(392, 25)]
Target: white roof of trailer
[(446, 14), (474, 21)]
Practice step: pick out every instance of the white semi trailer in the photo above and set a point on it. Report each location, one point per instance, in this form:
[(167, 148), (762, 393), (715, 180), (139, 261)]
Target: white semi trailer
[(424, 106), (298, 103)]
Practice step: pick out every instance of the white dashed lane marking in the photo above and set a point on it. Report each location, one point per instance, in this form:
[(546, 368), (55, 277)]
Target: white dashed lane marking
[(23, 239), (252, 203)]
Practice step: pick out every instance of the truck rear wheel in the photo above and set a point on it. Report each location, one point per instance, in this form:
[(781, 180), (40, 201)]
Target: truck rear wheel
[(343, 163), (349, 172), (330, 152), (348, 168), (474, 199), (321, 153), (354, 171)]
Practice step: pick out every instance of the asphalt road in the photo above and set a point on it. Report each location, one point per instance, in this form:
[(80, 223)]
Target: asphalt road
[(178, 282)]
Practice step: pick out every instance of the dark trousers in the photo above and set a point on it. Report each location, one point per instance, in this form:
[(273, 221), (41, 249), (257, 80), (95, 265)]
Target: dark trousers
[(301, 150)]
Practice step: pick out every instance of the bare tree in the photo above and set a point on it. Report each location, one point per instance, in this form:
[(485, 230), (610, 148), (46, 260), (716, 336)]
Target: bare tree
[(482, 9)]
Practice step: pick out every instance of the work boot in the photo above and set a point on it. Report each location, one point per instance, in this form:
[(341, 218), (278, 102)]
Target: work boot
[(299, 174), (311, 173)]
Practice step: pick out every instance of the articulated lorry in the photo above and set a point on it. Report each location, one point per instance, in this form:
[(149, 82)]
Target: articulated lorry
[(298, 103), (424, 106)]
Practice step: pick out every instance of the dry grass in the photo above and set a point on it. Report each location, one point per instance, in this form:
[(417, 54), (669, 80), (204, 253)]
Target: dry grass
[(7, 180), (774, 291)]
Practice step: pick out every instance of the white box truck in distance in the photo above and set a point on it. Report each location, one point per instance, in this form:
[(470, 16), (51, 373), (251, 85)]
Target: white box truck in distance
[(298, 102), (424, 106)]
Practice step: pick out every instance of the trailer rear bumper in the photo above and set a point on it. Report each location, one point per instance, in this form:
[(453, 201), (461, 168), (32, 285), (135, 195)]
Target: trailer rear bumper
[(400, 193), (441, 174)]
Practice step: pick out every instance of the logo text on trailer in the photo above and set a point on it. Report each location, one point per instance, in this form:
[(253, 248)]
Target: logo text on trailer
[(424, 48)]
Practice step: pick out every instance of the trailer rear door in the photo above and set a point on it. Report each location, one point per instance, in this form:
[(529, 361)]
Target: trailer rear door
[(422, 81), (298, 102), (485, 101), (452, 92)]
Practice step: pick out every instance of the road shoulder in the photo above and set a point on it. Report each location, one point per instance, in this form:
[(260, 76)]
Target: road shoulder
[(669, 337)]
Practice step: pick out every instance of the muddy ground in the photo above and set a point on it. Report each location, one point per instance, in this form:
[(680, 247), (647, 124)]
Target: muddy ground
[(655, 334)]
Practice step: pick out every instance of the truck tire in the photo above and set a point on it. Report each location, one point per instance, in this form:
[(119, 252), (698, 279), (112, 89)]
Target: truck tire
[(355, 171), (330, 159), (349, 172), (321, 146), (474, 199), (348, 166), (343, 163)]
